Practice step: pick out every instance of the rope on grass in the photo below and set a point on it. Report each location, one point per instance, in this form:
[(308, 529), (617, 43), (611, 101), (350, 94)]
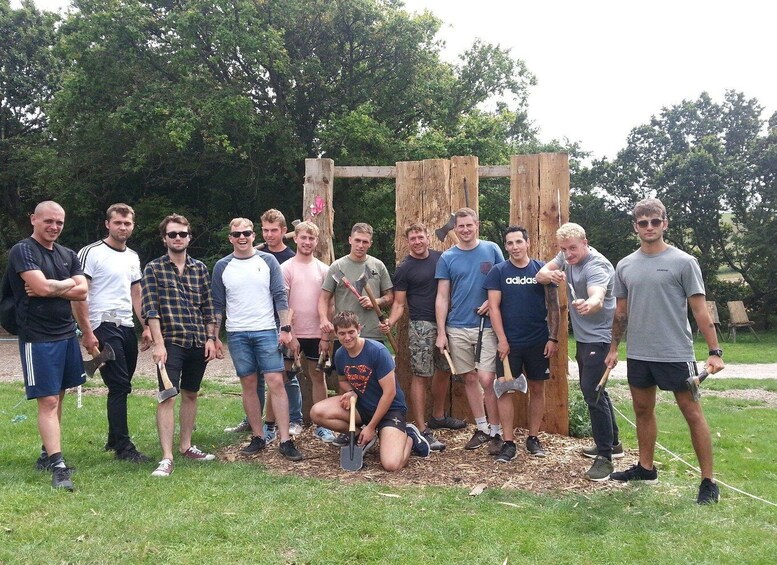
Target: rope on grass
[(735, 489)]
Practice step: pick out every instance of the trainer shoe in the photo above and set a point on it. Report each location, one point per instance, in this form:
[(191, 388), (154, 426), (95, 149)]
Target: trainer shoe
[(434, 443), (164, 469), (132, 455), (60, 478), (420, 444), (198, 455), (341, 441), (478, 439), (534, 446), (495, 444), (295, 428), (257, 444), (43, 463), (270, 433), (507, 453), (448, 422), (324, 434), (242, 427), (636, 473), (600, 470), (709, 493), (290, 451), (592, 452)]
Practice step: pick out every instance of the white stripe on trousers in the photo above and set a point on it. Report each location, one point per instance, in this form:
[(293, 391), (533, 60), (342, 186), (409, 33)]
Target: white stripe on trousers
[(29, 363)]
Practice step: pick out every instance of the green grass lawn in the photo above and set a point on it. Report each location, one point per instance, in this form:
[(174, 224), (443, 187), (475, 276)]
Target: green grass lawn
[(237, 513)]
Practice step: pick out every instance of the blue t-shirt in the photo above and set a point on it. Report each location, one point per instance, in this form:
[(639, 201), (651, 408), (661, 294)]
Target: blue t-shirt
[(523, 309), (363, 372), (467, 272)]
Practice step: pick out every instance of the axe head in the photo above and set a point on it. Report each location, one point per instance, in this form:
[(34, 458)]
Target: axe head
[(163, 395), (91, 365), (442, 232), (505, 385)]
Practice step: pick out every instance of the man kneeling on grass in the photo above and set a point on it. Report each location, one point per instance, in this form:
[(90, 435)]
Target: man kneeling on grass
[(366, 370)]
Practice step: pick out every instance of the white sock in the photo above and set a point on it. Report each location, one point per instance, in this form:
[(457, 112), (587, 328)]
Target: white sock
[(482, 424), (495, 429)]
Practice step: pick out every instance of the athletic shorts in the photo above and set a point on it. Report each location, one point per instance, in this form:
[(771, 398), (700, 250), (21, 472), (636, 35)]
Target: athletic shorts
[(530, 361), (671, 376), (255, 352), (50, 367), (425, 357), (462, 343), (185, 367), (392, 419), (308, 346)]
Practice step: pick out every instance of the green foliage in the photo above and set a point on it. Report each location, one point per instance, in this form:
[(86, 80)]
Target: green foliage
[(579, 419)]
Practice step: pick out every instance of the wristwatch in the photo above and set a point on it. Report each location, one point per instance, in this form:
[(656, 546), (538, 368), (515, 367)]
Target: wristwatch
[(716, 352), (211, 338), (286, 329)]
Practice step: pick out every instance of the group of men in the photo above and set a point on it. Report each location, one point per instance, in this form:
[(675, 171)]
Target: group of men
[(467, 305)]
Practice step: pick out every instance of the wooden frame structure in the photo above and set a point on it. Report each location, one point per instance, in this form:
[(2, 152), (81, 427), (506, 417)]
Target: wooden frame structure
[(428, 191)]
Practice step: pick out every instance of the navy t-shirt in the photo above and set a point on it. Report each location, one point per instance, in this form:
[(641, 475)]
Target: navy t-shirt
[(363, 372), (416, 277), (523, 309), (281, 256)]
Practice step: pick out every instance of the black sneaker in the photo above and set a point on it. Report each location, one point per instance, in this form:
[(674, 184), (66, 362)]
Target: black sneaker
[(507, 453), (447, 422), (709, 493), (478, 439), (342, 440), (132, 455), (534, 446), (593, 452), (60, 479), (434, 443), (420, 443), (290, 451), (43, 463), (495, 445), (636, 473), (257, 444)]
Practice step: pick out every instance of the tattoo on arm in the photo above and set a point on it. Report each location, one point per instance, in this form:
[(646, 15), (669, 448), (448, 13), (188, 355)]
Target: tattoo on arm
[(619, 323)]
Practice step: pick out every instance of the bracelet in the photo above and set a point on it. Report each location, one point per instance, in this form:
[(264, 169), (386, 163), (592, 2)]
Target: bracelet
[(553, 339)]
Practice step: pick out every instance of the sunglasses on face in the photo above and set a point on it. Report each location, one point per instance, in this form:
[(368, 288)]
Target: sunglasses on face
[(655, 222), (244, 233), (174, 234)]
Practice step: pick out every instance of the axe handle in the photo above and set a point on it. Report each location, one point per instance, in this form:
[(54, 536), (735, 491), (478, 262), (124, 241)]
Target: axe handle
[(450, 362), (350, 287), (603, 380), (165, 379), (508, 371), (380, 315)]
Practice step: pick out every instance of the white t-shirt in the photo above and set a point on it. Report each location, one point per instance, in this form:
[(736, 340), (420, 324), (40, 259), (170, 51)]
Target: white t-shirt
[(303, 283), (111, 273)]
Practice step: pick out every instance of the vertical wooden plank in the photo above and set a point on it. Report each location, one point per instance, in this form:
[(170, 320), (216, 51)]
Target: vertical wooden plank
[(435, 196), (464, 182), (317, 203)]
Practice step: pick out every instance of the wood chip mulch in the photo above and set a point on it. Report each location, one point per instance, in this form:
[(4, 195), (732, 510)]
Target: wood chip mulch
[(561, 471)]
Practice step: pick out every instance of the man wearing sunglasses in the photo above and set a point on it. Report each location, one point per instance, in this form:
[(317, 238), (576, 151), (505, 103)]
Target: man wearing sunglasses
[(178, 308), (248, 287), (653, 288)]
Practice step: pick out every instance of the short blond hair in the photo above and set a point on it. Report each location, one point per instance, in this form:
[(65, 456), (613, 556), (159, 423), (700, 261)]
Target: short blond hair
[(309, 227), (238, 221), (570, 230), (273, 216)]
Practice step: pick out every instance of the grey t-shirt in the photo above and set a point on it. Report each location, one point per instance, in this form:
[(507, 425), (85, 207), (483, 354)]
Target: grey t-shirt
[(657, 288), (594, 270)]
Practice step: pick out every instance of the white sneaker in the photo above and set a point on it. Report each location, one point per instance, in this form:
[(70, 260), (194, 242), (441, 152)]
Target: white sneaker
[(165, 468), (295, 428), (324, 434), (270, 433), (242, 427)]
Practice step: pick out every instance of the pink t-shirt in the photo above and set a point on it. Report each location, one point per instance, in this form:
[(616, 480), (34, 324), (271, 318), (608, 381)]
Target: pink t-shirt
[(303, 283)]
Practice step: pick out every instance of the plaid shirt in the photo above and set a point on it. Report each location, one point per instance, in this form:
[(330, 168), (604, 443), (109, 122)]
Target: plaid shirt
[(182, 303)]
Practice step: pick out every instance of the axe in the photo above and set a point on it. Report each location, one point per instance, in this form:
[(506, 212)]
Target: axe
[(322, 357), (600, 387), (454, 373), (443, 231), (286, 237), (340, 277), (170, 391), (91, 365), (694, 382), (506, 383), (361, 283)]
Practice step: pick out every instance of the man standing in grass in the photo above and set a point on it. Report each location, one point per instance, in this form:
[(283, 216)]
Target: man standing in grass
[(248, 286), (45, 278), (654, 287), (589, 277), (415, 285), (178, 308), (113, 273), (366, 371), (525, 317)]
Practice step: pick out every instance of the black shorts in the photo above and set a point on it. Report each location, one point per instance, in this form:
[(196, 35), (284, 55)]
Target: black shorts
[(392, 419), (309, 347), (530, 361), (666, 376), (185, 367)]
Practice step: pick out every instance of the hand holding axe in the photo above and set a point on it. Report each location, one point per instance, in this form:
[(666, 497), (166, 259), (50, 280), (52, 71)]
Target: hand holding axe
[(694, 382), (505, 383), (170, 391), (91, 365), (602, 383)]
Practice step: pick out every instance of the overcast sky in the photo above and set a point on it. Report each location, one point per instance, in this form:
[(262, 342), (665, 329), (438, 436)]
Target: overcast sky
[(605, 66)]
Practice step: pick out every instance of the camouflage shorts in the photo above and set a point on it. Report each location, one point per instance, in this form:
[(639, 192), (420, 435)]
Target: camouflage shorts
[(424, 356)]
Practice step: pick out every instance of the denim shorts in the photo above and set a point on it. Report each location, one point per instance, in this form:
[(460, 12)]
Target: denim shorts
[(255, 352)]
